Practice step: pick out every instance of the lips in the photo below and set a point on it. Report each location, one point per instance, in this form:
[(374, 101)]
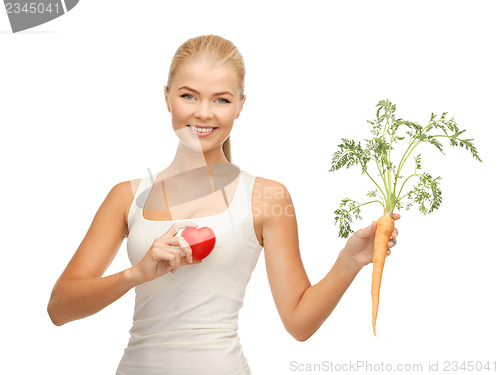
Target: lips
[(202, 134), (203, 127)]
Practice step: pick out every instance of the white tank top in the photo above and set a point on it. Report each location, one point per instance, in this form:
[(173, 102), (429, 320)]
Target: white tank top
[(187, 322)]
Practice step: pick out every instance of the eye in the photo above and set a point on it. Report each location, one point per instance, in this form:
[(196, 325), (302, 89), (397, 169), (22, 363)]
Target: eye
[(224, 100), (185, 96)]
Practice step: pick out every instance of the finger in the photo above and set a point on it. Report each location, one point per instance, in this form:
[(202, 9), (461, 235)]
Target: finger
[(161, 253), (395, 233), (177, 253), (388, 252), (184, 261), (171, 254), (168, 268), (169, 258), (171, 241), (178, 225), (367, 231), (186, 248), (396, 216), (181, 243), (392, 243)]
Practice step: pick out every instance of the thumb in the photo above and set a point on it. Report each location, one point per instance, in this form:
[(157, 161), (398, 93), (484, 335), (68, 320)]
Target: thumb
[(369, 230)]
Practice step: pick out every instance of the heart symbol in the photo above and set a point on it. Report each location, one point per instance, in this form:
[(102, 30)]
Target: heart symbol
[(201, 240)]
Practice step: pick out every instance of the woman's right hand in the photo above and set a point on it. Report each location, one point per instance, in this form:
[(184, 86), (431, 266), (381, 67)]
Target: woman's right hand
[(164, 255)]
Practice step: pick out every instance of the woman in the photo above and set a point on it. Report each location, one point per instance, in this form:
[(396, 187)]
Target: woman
[(186, 312)]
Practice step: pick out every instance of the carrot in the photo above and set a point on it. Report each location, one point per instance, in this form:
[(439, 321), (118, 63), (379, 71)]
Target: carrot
[(385, 226), (389, 192)]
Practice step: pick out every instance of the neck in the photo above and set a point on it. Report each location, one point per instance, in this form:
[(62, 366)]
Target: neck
[(187, 159)]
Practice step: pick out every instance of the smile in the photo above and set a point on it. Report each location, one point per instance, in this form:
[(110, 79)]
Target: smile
[(201, 132)]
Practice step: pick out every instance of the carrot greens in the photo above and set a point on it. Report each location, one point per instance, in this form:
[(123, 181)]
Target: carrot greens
[(392, 188)]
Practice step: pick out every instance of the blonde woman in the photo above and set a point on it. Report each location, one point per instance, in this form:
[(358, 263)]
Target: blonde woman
[(186, 312)]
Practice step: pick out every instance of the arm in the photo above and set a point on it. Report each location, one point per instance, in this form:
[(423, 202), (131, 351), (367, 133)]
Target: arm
[(302, 308), (81, 290), (318, 301)]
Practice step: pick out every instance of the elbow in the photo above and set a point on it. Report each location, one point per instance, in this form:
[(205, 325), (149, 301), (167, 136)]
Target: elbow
[(299, 334), (56, 323), (301, 337), (52, 316), (52, 311), (300, 327)]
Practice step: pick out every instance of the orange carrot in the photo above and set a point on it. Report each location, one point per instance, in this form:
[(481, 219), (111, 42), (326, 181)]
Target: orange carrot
[(425, 194), (385, 226)]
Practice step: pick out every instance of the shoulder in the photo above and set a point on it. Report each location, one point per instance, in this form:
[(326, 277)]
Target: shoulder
[(271, 198), (121, 196), (270, 189), (125, 190)]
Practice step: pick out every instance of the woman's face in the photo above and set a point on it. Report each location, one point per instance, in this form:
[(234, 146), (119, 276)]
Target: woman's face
[(204, 96)]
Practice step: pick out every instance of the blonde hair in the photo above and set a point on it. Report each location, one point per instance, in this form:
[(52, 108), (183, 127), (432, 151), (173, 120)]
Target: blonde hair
[(214, 50)]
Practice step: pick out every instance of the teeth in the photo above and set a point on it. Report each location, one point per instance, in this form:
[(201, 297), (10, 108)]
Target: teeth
[(202, 130)]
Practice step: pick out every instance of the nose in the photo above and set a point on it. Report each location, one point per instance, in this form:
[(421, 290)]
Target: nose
[(203, 111)]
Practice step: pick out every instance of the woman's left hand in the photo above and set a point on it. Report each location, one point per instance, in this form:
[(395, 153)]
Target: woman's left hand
[(360, 245)]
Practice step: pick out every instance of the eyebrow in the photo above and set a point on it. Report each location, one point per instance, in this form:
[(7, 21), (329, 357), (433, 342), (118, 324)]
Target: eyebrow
[(197, 92)]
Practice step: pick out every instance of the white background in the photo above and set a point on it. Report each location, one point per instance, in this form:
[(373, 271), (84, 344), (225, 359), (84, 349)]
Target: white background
[(82, 108)]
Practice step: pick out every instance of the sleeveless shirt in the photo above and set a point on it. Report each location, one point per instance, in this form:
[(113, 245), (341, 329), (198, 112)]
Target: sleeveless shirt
[(187, 322)]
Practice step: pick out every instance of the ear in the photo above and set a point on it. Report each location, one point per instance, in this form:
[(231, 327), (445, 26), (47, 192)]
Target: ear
[(241, 107), (166, 98)]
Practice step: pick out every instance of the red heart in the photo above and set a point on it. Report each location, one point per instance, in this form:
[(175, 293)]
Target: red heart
[(201, 240)]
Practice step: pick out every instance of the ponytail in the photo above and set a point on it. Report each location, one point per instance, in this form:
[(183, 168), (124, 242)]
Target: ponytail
[(226, 149)]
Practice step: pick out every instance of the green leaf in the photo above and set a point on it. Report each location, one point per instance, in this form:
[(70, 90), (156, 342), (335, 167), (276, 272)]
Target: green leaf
[(450, 130), (435, 142), (349, 154), (387, 131), (378, 146), (418, 165), (343, 216), (427, 191)]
